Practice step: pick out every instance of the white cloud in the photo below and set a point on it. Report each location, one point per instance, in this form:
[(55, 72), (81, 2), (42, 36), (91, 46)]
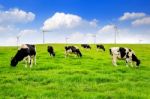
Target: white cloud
[(15, 15), (142, 21), (94, 22), (67, 21), (106, 29), (27, 32), (7, 31), (133, 15), (79, 37), (61, 20)]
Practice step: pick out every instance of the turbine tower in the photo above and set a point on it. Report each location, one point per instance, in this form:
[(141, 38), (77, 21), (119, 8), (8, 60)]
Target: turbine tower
[(43, 36), (67, 38), (116, 32), (94, 38), (18, 39)]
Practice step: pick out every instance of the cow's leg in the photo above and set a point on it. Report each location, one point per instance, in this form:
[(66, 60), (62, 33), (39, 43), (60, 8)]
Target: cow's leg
[(127, 62), (114, 60), (131, 64), (51, 55), (76, 55), (26, 61), (65, 54), (31, 61), (34, 57)]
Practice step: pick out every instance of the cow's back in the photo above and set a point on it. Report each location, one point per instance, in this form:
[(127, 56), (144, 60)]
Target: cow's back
[(32, 49)]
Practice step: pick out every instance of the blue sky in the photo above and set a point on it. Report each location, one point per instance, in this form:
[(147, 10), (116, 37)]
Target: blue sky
[(101, 13)]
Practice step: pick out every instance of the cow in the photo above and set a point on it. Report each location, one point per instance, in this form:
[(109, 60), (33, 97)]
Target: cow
[(86, 46), (100, 46), (72, 50), (51, 51), (124, 53), (27, 53)]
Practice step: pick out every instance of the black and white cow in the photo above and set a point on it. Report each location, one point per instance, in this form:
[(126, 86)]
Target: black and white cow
[(86, 46), (51, 51), (72, 50), (27, 53), (125, 54), (100, 46)]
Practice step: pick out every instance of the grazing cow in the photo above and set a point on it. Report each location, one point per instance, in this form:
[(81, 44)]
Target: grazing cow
[(86, 46), (25, 52), (100, 47), (125, 54), (51, 51), (72, 50)]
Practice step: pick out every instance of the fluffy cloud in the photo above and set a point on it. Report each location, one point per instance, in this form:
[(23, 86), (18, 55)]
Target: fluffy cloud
[(8, 31), (142, 21), (27, 32), (79, 37), (15, 15), (61, 20), (94, 22), (133, 15), (106, 29), (67, 21)]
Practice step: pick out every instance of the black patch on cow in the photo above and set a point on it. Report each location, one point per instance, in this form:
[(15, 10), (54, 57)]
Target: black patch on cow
[(130, 50), (100, 47), (79, 53), (51, 51), (122, 51), (86, 46), (134, 58), (110, 52), (127, 55)]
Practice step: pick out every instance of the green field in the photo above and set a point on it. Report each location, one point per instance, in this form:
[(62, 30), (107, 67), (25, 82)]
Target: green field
[(91, 77)]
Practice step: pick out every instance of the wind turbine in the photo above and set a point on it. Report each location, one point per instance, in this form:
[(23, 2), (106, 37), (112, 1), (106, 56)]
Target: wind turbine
[(43, 36), (140, 41), (67, 38), (94, 38), (44, 31), (116, 32), (18, 39)]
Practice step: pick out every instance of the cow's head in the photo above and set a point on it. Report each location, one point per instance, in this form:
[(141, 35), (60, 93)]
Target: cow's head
[(14, 62), (134, 58), (138, 62), (19, 56)]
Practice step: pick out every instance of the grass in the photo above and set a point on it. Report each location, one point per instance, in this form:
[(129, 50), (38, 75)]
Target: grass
[(91, 77)]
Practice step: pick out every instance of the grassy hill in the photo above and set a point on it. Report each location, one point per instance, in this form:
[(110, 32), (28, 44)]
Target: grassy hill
[(91, 77)]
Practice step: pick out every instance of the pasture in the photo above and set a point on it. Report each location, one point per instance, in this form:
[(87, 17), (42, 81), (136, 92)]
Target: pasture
[(91, 77)]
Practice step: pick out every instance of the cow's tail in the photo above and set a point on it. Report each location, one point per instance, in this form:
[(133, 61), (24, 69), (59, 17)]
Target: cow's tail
[(110, 51), (79, 53)]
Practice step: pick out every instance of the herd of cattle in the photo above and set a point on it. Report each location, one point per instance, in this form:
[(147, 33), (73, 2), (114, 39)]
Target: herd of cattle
[(27, 52)]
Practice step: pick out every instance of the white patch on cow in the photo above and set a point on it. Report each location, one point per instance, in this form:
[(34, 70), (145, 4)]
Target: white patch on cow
[(23, 46)]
